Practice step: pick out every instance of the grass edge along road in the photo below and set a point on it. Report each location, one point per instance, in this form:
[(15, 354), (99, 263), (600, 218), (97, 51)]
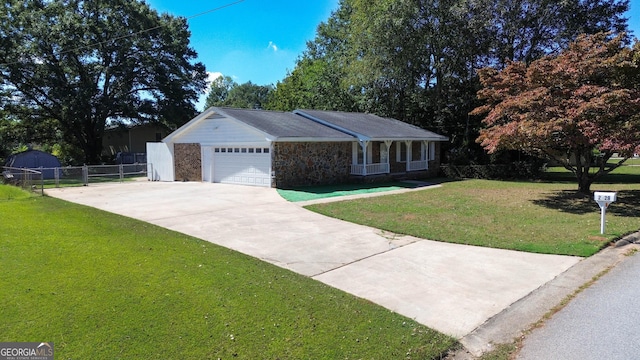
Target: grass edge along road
[(102, 285)]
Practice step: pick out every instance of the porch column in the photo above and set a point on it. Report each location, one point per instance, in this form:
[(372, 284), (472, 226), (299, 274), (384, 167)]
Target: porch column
[(409, 151), (424, 154), (388, 144), (364, 145)]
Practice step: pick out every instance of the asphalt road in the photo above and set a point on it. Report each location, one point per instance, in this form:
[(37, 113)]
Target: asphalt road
[(602, 322)]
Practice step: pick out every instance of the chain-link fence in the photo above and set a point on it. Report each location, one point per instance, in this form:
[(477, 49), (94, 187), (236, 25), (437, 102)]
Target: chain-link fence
[(41, 178), (27, 179)]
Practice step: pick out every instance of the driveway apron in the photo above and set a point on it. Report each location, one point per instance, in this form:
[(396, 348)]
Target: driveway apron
[(451, 288)]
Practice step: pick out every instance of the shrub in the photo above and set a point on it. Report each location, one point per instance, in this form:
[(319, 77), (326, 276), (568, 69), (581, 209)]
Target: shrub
[(514, 170)]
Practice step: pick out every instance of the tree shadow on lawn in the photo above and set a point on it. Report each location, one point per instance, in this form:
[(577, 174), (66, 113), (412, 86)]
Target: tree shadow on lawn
[(563, 177), (627, 203)]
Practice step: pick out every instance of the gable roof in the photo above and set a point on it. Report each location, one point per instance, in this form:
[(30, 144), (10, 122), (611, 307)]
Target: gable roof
[(284, 125), (369, 126), (275, 125), (315, 125)]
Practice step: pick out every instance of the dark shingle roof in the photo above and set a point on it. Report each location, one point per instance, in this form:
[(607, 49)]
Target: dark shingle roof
[(284, 124), (372, 126)]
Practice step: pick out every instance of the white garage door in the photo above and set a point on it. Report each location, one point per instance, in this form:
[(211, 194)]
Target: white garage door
[(242, 165)]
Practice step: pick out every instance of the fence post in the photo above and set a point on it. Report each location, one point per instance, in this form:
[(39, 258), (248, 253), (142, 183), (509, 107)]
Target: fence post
[(121, 169), (25, 181), (85, 174), (56, 176), (41, 181)]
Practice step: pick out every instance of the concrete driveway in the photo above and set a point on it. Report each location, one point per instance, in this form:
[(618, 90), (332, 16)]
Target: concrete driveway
[(451, 288)]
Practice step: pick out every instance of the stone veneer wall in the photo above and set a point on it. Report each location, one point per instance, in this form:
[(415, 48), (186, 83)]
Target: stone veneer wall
[(310, 163), (188, 162)]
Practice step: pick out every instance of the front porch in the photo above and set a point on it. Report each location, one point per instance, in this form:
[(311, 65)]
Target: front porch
[(385, 157)]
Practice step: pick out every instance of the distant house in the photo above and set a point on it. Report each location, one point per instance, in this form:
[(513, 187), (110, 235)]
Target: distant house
[(131, 139), (283, 149), (35, 159)]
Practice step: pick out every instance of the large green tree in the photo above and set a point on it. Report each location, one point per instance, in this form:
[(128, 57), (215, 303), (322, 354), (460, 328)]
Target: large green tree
[(219, 91), (86, 63), (577, 108), (320, 78), (226, 92), (416, 60), (525, 30)]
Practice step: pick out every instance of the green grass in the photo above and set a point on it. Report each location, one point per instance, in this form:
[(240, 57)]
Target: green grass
[(500, 352), (621, 175), (12, 193), (104, 286), (632, 161), (305, 193), (542, 217), (78, 181)]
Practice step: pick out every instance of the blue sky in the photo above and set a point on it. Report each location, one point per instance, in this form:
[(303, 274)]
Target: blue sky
[(260, 40), (252, 40)]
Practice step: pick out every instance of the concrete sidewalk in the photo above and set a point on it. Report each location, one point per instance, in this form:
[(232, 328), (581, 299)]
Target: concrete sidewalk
[(451, 288)]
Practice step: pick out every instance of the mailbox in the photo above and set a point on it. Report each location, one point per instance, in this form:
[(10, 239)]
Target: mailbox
[(605, 197)]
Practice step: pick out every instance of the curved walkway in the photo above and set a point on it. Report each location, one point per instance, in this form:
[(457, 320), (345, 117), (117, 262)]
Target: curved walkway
[(451, 288)]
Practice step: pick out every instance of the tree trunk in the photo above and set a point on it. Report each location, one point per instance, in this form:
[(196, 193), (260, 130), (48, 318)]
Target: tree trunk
[(92, 147), (583, 159), (93, 153), (584, 183)]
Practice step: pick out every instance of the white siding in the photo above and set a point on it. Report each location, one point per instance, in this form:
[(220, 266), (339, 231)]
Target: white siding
[(207, 163), (160, 162), (218, 131)]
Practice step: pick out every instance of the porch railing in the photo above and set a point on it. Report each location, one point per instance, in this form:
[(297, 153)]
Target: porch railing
[(372, 169), (418, 165)]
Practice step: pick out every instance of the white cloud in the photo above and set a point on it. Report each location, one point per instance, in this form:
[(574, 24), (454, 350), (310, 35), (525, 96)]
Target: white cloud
[(212, 76), (272, 46)]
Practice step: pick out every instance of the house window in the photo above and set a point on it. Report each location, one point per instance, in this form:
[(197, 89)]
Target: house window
[(216, 150), (244, 150), (230, 150), (237, 150), (401, 151), (251, 150), (384, 153), (265, 150), (358, 154), (224, 150)]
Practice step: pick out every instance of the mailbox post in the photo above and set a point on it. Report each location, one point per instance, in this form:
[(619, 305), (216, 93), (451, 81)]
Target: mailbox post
[(603, 199)]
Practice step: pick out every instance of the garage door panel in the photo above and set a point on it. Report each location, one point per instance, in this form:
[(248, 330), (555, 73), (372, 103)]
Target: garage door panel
[(242, 166)]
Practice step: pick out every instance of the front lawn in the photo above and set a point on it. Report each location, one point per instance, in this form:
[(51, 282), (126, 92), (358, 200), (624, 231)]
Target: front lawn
[(542, 217), (104, 286)]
